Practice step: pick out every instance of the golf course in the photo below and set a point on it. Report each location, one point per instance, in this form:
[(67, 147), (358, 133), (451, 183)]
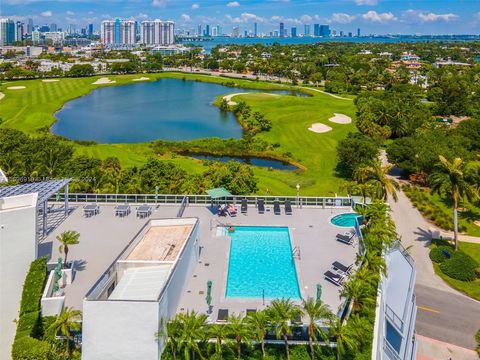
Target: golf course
[(305, 130)]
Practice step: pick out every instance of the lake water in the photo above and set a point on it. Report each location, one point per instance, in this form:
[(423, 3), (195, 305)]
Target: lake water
[(268, 163), (168, 109)]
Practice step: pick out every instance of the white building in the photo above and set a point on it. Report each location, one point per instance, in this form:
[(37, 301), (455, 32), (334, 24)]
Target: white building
[(157, 32), (396, 309), (56, 37), (18, 248), (134, 298), (118, 32)]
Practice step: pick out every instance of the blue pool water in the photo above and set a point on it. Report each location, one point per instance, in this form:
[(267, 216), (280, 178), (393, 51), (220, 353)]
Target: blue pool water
[(261, 264), (345, 220)]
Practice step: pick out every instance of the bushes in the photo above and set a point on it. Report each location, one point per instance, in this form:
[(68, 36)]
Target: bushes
[(460, 266), (437, 254)]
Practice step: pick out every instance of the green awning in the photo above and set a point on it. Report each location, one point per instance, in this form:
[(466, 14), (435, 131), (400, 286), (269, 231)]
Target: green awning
[(218, 193)]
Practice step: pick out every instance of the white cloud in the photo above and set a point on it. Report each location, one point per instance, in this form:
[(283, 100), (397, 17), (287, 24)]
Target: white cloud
[(233, 4), (245, 18), (185, 18), (306, 19), (342, 18), (415, 16), (366, 2), (47, 13), (159, 3), (195, 6), (382, 18), (70, 13)]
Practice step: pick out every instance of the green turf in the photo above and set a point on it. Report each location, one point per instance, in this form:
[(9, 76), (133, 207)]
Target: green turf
[(33, 108)]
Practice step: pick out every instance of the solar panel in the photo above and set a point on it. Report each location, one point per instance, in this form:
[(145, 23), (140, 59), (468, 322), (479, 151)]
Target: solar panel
[(45, 189)]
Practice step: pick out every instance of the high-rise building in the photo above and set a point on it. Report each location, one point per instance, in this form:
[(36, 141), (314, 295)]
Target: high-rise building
[(71, 29), (7, 31), (29, 26), (306, 29), (35, 37), (207, 30), (255, 30), (56, 37), (19, 31), (294, 32), (107, 32), (219, 30), (341, 33), (53, 27), (44, 28), (350, 35), (324, 30), (199, 30), (157, 32), (358, 32), (282, 29), (316, 30), (236, 31), (90, 30), (214, 31)]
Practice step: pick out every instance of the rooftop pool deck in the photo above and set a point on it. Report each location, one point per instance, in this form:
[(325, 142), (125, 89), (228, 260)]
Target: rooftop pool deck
[(105, 236)]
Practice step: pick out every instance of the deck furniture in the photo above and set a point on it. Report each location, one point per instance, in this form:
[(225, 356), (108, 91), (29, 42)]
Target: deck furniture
[(276, 207), (288, 207), (232, 211), (91, 210), (222, 315), (261, 206), (251, 311), (334, 278), (342, 269), (122, 210), (346, 238), (244, 207), (144, 211)]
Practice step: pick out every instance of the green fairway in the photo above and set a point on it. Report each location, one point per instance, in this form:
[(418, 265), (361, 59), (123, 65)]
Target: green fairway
[(32, 110)]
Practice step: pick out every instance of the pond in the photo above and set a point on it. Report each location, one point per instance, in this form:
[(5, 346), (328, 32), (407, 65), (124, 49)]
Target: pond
[(167, 109), (268, 163)]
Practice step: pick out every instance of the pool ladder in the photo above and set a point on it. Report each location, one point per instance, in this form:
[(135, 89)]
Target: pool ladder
[(296, 253)]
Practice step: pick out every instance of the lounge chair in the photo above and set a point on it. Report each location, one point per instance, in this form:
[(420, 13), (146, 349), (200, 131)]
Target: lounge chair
[(222, 315), (334, 278), (251, 311), (261, 206), (276, 207), (244, 207), (342, 269), (232, 211), (345, 238), (288, 207)]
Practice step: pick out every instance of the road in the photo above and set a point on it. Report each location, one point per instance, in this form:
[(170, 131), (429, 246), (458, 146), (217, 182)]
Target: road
[(443, 313)]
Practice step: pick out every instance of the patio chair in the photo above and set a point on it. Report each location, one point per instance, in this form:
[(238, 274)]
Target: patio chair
[(261, 206), (334, 278), (342, 269), (222, 315), (345, 238), (251, 311), (244, 207), (276, 207), (288, 207), (232, 211)]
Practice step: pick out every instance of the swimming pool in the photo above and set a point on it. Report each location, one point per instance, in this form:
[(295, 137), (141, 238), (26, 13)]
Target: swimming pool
[(345, 219), (261, 264)]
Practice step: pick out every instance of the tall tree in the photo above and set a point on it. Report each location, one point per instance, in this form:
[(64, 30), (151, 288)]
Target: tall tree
[(316, 311), (240, 330), (66, 239), (260, 325), (68, 321), (193, 331), (377, 176)]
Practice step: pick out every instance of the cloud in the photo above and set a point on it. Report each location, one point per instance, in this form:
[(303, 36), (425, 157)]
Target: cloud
[(423, 17), (246, 18), (159, 3), (366, 2), (233, 4), (70, 13), (306, 19), (195, 6), (47, 13), (342, 18), (382, 18), (185, 18)]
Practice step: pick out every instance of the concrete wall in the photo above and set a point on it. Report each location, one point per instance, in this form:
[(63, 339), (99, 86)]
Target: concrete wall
[(120, 330), (18, 248), (51, 305)]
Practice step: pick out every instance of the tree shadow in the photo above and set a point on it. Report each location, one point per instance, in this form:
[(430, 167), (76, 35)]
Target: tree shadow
[(424, 236)]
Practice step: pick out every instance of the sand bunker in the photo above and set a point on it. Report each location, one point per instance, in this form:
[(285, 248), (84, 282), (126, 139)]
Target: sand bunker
[(2, 95), (229, 101), (341, 119), (103, 81), (16, 87), (141, 79), (50, 80), (320, 128)]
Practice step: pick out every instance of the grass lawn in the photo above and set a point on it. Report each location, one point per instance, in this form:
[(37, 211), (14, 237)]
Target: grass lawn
[(33, 108), (472, 288)]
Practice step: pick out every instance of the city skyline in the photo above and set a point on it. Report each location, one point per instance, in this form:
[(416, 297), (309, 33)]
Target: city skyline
[(372, 16)]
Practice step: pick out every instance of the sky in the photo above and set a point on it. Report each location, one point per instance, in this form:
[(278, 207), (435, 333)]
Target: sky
[(371, 16)]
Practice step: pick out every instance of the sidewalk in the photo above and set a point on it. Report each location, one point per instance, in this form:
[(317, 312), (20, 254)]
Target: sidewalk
[(431, 349)]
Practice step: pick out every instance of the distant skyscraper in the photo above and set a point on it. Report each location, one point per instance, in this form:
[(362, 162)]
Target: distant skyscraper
[(120, 32), (53, 27), (44, 28), (306, 30), (207, 30), (294, 32), (19, 31), (236, 31), (71, 29), (358, 32), (90, 30), (324, 30), (350, 35), (255, 30), (7, 31), (35, 37), (29, 26), (282, 29), (199, 30), (316, 30), (341, 33)]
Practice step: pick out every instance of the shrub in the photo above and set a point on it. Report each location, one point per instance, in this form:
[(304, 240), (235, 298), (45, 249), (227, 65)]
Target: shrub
[(437, 255), (460, 266), (28, 348)]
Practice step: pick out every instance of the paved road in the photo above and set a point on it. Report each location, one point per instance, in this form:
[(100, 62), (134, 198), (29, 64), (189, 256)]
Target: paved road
[(443, 313)]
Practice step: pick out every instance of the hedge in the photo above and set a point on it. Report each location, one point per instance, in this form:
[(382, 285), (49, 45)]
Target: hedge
[(437, 255), (460, 266), (27, 344)]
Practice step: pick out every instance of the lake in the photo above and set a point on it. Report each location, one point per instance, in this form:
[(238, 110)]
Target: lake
[(167, 109)]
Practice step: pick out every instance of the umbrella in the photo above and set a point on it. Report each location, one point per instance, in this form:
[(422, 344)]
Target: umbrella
[(209, 293), (319, 292)]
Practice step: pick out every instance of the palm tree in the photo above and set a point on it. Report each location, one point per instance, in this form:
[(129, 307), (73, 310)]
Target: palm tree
[(449, 179), (172, 332), (67, 238), (316, 311), (260, 325), (347, 336), (377, 176), (240, 330), (357, 291), (194, 329), (282, 312), (113, 169), (364, 189), (65, 323), (219, 332)]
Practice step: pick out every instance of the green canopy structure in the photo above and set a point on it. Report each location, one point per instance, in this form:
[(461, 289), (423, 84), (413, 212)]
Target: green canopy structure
[(218, 193), (209, 293), (319, 292)]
